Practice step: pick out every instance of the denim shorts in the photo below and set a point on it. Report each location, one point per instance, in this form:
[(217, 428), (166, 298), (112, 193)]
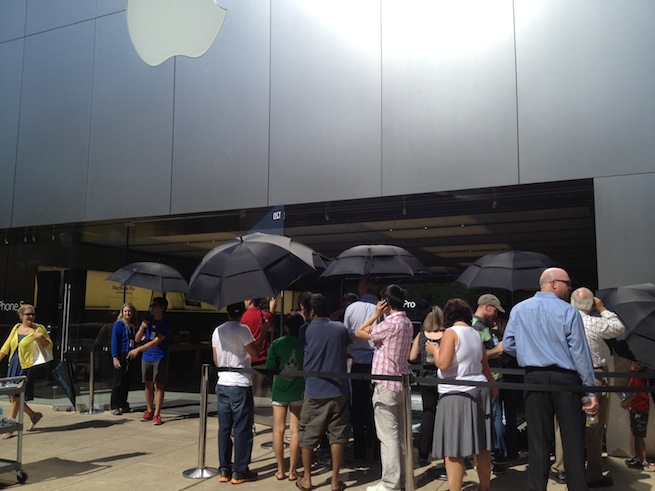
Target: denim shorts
[(286, 404)]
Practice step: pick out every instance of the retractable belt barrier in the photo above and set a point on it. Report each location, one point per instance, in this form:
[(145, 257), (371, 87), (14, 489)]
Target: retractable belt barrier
[(539, 387), (202, 472)]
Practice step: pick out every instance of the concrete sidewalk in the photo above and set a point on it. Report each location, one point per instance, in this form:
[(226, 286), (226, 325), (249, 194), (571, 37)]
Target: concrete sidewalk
[(73, 451)]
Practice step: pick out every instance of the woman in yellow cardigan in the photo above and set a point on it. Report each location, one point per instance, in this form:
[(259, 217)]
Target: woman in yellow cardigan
[(19, 347)]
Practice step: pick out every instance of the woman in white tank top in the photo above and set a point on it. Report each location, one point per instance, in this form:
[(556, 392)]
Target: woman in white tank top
[(463, 425)]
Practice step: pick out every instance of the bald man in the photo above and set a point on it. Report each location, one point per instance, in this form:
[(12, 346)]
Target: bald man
[(547, 336)]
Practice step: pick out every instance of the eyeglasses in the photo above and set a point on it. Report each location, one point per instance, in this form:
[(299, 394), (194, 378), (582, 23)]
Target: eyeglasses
[(566, 282), (30, 314)]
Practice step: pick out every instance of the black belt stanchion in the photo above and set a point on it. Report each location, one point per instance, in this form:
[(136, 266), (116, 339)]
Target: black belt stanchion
[(202, 472), (409, 454)]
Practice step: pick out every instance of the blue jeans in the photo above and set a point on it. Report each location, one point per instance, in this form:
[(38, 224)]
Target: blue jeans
[(236, 410), (496, 406)]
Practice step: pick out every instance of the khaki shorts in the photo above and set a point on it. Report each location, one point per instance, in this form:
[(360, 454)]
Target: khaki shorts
[(154, 371), (324, 416)]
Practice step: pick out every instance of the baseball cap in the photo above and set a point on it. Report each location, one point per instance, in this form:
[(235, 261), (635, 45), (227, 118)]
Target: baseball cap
[(489, 299), (236, 309)]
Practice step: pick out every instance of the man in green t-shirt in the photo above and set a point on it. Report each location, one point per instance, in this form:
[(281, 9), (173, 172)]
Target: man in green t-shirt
[(484, 318)]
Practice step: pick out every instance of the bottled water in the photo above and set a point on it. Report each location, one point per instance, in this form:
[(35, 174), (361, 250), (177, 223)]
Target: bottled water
[(592, 419)]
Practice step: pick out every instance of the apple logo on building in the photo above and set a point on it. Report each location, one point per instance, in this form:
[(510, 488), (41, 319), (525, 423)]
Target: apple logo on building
[(161, 29)]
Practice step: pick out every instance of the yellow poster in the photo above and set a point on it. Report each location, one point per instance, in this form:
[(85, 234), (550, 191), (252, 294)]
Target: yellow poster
[(102, 294), (108, 295)]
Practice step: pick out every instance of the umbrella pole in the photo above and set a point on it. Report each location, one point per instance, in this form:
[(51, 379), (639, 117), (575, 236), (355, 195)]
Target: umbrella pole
[(127, 251), (281, 313)]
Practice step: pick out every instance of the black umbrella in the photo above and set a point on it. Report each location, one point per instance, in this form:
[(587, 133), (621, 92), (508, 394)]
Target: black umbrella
[(153, 276), (635, 305), (377, 259), (64, 375), (509, 270), (251, 266), (447, 271)]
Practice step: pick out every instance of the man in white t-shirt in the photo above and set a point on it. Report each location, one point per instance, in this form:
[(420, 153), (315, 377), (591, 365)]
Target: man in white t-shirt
[(233, 346)]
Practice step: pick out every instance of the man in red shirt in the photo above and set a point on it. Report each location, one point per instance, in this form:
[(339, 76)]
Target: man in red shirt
[(253, 318)]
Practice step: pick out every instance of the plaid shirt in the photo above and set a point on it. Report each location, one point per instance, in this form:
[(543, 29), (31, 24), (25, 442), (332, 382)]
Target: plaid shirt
[(607, 326), (393, 340)]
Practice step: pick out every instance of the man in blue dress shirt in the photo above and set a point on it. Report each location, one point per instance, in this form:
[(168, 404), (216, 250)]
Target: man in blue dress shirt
[(547, 336)]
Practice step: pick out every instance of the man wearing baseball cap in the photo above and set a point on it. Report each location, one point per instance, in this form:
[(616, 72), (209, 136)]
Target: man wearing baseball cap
[(484, 318)]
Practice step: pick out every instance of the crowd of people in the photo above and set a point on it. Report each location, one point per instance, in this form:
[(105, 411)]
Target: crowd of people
[(555, 341), (464, 415)]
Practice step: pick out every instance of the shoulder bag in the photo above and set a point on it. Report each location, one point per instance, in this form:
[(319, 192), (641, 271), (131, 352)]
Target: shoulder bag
[(41, 355)]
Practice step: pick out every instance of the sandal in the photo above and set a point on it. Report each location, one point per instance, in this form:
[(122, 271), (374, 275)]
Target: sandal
[(280, 477), (37, 418), (341, 487), (303, 488)]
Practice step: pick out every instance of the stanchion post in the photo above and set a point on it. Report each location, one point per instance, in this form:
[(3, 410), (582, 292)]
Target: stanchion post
[(92, 380), (409, 454), (202, 472)]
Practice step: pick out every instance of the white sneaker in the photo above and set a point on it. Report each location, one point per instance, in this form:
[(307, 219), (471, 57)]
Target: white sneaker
[(378, 487)]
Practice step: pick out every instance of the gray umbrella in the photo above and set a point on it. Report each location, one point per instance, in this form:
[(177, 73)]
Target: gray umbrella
[(509, 270), (635, 305), (252, 266), (153, 276), (377, 259)]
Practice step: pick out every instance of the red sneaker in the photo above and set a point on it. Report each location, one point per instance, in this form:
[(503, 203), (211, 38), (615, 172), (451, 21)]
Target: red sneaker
[(157, 420), (147, 416)]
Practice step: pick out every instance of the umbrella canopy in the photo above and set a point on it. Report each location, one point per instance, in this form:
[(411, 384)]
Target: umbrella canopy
[(251, 266), (444, 271), (509, 270), (377, 259), (64, 375), (635, 305), (153, 276)]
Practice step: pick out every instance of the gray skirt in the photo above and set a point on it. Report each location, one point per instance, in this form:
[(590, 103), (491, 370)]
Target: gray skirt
[(464, 424)]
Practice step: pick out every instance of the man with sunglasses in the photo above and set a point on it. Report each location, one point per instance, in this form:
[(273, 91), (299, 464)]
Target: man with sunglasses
[(155, 334), (547, 336)]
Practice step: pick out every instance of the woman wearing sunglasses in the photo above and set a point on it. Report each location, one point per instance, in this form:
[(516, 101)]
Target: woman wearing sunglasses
[(19, 346)]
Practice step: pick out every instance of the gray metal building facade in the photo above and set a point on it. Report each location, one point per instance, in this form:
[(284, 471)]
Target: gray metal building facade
[(322, 100)]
